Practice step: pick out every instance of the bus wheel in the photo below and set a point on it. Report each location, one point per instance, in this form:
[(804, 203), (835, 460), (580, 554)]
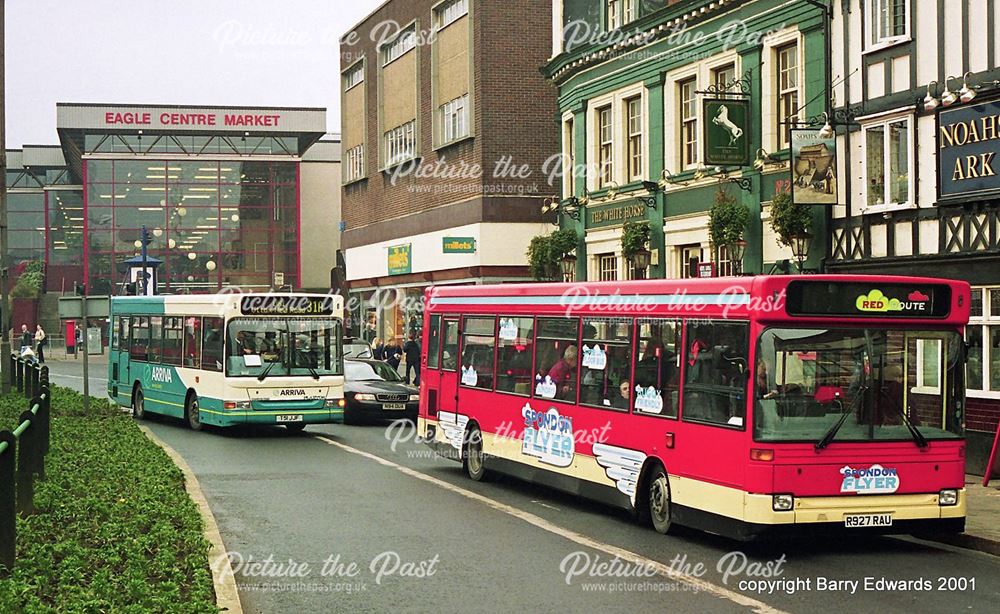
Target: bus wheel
[(138, 405), (658, 500), (473, 457), (192, 413), (295, 428)]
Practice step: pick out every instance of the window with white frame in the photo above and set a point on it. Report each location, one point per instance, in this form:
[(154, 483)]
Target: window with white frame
[(689, 121), (724, 266), (929, 366), (404, 42), (620, 12), (607, 267), (788, 91), (689, 261), (355, 75), (633, 112), (983, 337), (606, 148), (455, 119), (888, 22), (354, 163), (399, 143), (887, 162), (449, 12), (723, 76)]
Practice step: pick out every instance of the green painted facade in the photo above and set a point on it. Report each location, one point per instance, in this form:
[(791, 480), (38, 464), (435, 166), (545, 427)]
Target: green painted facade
[(649, 64)]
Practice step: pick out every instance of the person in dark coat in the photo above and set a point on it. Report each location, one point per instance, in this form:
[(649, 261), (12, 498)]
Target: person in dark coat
[(393, 353), (378, 349), (412, 351)]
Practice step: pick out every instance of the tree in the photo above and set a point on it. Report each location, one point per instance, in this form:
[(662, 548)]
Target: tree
[(728, 219), (635, 237), (789, 219), (544, 253)]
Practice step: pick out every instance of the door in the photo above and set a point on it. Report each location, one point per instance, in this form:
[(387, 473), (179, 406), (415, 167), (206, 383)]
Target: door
[(448, 389), (122, 382)]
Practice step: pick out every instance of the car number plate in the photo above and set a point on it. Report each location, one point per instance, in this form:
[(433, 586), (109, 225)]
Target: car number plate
[(394, 406), (290, 418), (868, 520)]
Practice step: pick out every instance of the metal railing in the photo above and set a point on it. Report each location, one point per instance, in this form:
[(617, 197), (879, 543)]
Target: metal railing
[(22, 454)]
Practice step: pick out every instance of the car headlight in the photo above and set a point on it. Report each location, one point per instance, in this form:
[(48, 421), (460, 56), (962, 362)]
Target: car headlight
[(948, 497), (782, 503), (364, 397), (414, 398)]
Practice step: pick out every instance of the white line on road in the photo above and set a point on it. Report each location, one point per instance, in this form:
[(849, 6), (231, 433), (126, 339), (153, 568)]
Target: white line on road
[(583, 540), (92, 378)]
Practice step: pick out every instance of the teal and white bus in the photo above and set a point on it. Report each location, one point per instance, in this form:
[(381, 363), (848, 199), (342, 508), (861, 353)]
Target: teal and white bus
[(229, 359)]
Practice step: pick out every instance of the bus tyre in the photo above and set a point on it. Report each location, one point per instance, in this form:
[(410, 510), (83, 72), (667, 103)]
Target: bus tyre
[(295, 428), (472, 457), (192, 413), (138, 405), (658, 500)]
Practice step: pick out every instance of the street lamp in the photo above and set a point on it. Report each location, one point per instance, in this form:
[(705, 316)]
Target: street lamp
[(800, 247), (640, 262), (737, 250), (568, 263)]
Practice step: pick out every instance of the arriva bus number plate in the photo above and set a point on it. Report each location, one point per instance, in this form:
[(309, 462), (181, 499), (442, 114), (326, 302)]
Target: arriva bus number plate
[(290, 418), (394, 406), (868, 520)]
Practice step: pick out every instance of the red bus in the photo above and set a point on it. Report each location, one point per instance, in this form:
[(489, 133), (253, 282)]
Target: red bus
[(742, 406)]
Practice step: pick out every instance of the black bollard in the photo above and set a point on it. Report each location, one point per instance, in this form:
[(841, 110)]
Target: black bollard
[(8, 513), (25, 468)]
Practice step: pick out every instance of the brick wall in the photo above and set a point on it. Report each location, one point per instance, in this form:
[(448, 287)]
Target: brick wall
[(514, 111)]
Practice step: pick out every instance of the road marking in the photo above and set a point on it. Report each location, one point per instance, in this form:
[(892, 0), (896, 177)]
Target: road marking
[(551, 507), (539, 522), (92, 378), (227, 598)]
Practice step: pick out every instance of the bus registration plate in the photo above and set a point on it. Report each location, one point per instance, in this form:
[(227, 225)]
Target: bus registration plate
[(290, 418), (868, 520), (394, 406)]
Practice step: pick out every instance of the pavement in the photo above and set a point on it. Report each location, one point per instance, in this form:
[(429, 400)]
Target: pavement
[(982, 525), (383, 525)]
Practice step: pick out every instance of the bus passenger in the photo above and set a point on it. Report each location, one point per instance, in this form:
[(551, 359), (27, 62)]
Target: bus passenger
[(563, 373)]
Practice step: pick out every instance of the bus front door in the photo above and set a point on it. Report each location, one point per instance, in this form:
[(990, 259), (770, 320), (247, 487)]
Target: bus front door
[(447, 400), (121, 378)]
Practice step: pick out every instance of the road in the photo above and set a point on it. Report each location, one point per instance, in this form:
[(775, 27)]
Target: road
[(351, 521)]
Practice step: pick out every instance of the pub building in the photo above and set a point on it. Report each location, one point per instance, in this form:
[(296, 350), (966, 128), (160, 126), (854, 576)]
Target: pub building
[(242, 198), (920, 170)]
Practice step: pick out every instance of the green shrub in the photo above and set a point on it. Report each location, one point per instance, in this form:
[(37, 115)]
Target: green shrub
[(789, 219), (115, 530), (635, 237), (728, 219), (544, 252)]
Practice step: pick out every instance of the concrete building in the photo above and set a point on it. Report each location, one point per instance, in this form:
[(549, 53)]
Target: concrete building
[(447, 127)]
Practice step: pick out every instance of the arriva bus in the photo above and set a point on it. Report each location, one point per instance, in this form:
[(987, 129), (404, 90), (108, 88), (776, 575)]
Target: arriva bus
[(225, 360), (743, 406)]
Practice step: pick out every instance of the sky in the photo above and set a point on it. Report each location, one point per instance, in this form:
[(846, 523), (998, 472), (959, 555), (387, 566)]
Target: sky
[(279, 53)]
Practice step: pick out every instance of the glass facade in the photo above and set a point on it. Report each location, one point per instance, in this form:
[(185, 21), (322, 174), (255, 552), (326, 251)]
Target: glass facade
[(214, 224)]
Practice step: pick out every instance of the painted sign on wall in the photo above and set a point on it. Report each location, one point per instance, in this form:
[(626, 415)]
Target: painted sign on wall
[(727, 132), (968, 139), (400, 261), (458, 245)]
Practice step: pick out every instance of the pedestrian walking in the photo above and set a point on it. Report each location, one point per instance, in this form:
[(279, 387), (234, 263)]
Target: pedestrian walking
[(412, 351), (27, 339), (40, 342)]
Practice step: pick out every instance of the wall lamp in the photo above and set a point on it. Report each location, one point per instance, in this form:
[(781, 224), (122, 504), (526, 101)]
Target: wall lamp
[(763, 159), (827, 131), (930, 102), (667, 179)]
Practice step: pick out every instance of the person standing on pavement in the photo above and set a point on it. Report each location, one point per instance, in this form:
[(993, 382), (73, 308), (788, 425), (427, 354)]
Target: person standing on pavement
[(412, 351), (27, 340), (40, 342), (393, 353), (378, 349)]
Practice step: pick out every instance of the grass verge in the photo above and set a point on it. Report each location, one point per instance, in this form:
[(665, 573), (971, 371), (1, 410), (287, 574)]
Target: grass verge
[(115, 529)]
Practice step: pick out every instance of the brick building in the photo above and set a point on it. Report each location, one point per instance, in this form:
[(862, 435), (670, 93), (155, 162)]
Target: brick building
[(448, 125)]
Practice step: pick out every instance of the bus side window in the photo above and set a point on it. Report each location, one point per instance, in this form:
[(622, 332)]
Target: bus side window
[(449, 348), (115, 323), (124, 328), (155, 351), (605, 363), (716, 379), (192, 343), (172, 340), (557, 358), (212, 345), (514, 349), (657, 368), (138, 346), (478, 346), (434, 343)]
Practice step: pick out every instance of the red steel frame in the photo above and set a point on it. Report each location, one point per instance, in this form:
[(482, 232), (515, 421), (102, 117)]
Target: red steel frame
[(710, 454)]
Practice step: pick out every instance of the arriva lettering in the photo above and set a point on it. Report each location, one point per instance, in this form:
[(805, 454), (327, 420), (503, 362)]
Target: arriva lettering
[(162, 375), (291, 393)]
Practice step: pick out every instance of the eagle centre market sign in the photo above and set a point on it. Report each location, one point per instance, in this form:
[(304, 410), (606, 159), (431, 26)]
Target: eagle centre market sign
[(968, 139), (615, 214)]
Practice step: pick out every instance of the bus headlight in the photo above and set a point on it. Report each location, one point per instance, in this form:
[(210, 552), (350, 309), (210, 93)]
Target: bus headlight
[(948, 497), (236, 405), (335, 403), (414, 398), (370, 398), (782, 503)]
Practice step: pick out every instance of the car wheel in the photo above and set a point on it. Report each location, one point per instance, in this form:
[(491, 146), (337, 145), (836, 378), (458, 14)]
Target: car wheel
[(473, 458), (658, 501), (139, 405), (295, 428), (192, 413)]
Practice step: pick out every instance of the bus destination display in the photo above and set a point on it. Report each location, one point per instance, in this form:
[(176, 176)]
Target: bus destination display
[(885, 300), (274, 305)]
